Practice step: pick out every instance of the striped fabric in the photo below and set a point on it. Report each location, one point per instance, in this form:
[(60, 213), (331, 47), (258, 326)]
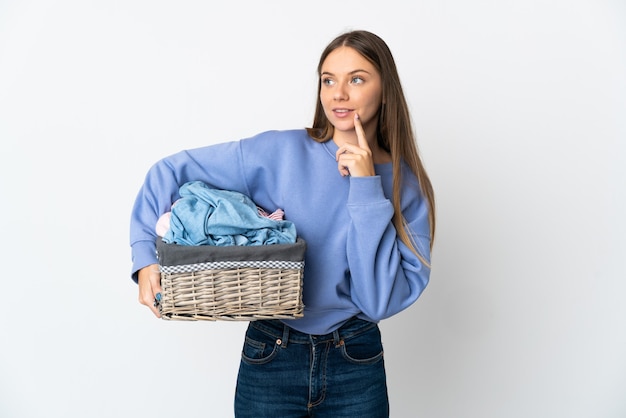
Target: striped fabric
[(221, 265), (277, 215)]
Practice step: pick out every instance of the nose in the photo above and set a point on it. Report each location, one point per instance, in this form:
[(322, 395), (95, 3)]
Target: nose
[(340, 92)]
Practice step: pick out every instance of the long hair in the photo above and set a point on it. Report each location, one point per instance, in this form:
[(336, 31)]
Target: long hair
[(394, 132)]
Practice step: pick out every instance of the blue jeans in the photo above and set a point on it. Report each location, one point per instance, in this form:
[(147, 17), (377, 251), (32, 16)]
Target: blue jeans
[(286, 373)]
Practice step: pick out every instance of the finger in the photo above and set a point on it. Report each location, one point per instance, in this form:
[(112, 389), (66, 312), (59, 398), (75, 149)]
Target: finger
[(356, 164), (150, 302), (345, 157), (343, 169), (340, 157), (360, 132), (345, 149), (149, 280), (341, 163)]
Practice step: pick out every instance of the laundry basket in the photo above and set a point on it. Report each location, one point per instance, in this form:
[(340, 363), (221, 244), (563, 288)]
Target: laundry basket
[(234, 283)]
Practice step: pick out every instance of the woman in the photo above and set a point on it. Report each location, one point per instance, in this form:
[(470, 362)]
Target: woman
[(355, 187)]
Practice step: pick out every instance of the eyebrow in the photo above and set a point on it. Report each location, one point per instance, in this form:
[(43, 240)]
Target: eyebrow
[(351, 72)]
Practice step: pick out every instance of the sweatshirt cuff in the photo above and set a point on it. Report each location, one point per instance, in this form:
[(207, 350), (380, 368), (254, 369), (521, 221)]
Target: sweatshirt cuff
[(144, 254), (366, 190)]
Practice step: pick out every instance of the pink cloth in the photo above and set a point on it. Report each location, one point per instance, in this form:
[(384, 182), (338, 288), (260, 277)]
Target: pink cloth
[(163, 224), (277, 215)]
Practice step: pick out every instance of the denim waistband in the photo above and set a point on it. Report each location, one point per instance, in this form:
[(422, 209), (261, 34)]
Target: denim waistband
[(275, 328)]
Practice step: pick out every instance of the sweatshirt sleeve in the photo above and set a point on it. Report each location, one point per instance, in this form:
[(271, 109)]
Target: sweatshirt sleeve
[(217, 165), (386, 276)]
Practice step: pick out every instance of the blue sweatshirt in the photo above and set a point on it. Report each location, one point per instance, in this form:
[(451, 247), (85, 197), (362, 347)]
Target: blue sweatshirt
[(355, 263)]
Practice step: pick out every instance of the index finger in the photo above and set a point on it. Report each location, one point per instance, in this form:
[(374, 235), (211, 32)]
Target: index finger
[(360, 132)]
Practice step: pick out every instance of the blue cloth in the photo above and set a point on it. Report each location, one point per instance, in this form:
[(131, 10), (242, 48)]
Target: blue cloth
[(208, 216)]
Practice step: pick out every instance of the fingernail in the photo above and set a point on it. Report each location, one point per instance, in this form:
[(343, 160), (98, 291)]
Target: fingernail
[(158, 297), (356, 116)]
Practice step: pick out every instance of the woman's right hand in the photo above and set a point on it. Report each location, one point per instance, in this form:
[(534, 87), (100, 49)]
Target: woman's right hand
[(149, 280)]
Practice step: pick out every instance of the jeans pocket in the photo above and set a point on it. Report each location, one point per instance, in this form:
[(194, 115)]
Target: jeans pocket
[(364, 348), (258, 347)]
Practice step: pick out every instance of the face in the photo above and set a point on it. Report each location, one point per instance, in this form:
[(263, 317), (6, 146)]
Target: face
[(349, 84)]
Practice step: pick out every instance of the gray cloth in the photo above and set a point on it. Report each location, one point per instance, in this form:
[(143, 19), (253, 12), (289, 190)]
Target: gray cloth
[(175, 255)]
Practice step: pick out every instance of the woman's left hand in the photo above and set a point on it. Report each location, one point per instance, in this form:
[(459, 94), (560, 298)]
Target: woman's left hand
[(356, 160)]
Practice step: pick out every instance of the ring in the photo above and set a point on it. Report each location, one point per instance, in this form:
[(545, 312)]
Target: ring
[(157, 300)]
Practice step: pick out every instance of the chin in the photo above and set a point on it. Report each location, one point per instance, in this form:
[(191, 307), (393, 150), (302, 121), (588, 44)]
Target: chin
[(344, 125)]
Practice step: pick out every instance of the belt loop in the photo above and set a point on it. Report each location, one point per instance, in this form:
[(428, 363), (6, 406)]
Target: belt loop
[(285, 336), (336, 338)]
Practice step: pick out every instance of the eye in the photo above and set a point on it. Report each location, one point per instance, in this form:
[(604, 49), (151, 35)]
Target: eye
[(328, 81), (357, 80)]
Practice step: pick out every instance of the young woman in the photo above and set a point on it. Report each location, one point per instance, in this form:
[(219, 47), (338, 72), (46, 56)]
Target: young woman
[(356, 189)]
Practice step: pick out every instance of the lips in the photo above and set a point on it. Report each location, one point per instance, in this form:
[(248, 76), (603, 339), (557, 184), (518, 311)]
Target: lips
[(342, 113)]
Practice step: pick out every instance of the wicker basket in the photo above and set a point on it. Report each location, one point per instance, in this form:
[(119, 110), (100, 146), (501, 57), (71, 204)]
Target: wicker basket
[(235, 283)]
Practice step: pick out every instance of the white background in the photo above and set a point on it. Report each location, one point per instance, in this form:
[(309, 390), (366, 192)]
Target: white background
[(520, 112)]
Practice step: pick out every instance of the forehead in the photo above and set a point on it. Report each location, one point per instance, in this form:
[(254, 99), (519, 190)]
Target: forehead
[(345, 60)]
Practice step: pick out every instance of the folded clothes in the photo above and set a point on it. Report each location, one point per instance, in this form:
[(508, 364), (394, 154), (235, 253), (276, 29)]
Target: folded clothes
[(208, 216)]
